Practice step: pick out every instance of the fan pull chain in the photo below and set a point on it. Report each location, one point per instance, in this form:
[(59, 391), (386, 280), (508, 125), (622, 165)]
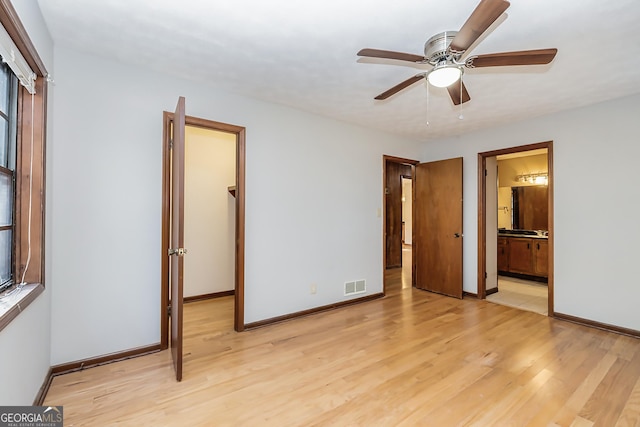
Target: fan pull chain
[(461, 116), (428, 124)]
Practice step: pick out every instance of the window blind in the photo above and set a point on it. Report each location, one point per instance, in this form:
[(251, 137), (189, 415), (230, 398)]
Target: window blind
[(14, 59)]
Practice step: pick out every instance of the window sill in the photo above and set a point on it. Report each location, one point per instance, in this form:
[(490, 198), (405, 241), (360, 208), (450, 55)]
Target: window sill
[(15, 304)]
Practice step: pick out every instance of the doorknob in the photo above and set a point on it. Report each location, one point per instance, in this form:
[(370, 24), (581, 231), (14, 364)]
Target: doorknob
[(456, 235), (178, 252)]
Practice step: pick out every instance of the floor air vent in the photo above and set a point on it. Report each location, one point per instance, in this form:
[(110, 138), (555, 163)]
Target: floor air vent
[(355, 287)]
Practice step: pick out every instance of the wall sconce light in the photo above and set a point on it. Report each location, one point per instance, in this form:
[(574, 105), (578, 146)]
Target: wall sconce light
[(534, 178)]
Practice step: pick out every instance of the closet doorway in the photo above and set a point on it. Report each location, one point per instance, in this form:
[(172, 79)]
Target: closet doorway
[(209, 213), (232, 209)]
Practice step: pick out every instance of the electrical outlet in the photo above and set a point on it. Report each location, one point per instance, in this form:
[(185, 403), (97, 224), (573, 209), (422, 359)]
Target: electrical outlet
[(313, 288)]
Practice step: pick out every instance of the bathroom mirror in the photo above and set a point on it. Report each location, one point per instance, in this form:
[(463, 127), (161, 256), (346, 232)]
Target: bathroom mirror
[(529, 207)]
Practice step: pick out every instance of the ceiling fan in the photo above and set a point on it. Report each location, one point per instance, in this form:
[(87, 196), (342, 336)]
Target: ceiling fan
[(445, 50)]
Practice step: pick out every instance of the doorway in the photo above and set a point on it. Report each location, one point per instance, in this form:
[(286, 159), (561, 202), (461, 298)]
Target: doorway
[(515, 235), (407, 230), (395, 171), (436, 224), (209, 213), (238, 133)]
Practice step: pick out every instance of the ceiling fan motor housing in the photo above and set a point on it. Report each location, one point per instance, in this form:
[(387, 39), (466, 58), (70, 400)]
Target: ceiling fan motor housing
[(435, 49)]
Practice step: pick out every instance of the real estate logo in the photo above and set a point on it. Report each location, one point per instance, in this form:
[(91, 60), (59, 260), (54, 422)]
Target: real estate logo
[(31, 416)]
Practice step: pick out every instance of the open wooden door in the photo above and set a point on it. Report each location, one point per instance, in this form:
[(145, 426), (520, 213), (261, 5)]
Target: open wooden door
[(437, 222), (177, 251)]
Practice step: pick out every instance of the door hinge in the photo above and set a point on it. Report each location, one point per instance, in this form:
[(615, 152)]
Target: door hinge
[(485, 274), (485, 172), (169, 310), (171, 144), (178, 251)]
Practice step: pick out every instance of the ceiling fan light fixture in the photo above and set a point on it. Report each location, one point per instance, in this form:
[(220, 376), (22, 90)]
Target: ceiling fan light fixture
[(444, 75)]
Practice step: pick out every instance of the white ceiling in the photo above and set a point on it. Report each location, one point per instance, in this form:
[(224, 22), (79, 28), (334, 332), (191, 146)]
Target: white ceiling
[(303, 53)]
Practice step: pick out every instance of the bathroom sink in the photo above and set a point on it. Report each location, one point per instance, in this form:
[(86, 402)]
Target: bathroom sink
[(523, 233)]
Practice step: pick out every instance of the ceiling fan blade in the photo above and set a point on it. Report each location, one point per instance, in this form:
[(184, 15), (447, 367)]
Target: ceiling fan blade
[(521, 57), (397, 88), (482, 17), (454, 92), (388, 54)]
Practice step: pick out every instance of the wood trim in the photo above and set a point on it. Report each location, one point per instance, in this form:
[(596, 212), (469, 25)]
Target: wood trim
[(44, 88), (311, 311), (482, 188), (80, 365), (11, 22), (414, 247), (26, 182), (539, 279), (517, 149), (240, 132), (13, 312), (401, 160), (491, 291), (551, 239), (482, 224), (384, 223), (238, 320), (44, 389), (204, 297), (598, 325)]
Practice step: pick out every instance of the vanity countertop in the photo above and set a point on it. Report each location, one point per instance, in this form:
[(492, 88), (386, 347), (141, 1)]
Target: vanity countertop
[(529, 234)]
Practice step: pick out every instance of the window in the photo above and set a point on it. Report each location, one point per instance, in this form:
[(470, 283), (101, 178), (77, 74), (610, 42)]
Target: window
[(23, 99), (8, 106)]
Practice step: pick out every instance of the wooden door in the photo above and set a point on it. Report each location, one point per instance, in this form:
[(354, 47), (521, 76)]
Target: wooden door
[(176, 252), (438, 227)]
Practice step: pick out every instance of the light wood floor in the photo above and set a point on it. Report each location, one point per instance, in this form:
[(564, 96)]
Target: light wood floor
[(410, 359)]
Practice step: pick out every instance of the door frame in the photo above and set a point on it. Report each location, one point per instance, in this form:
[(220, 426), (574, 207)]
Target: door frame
[(239, 131), (482, 209), (403, 161)]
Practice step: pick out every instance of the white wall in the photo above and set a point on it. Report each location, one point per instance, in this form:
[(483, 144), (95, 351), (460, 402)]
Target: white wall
[(26, 340), (25, 343), (595, 258), (313, 188), (209, 211)]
